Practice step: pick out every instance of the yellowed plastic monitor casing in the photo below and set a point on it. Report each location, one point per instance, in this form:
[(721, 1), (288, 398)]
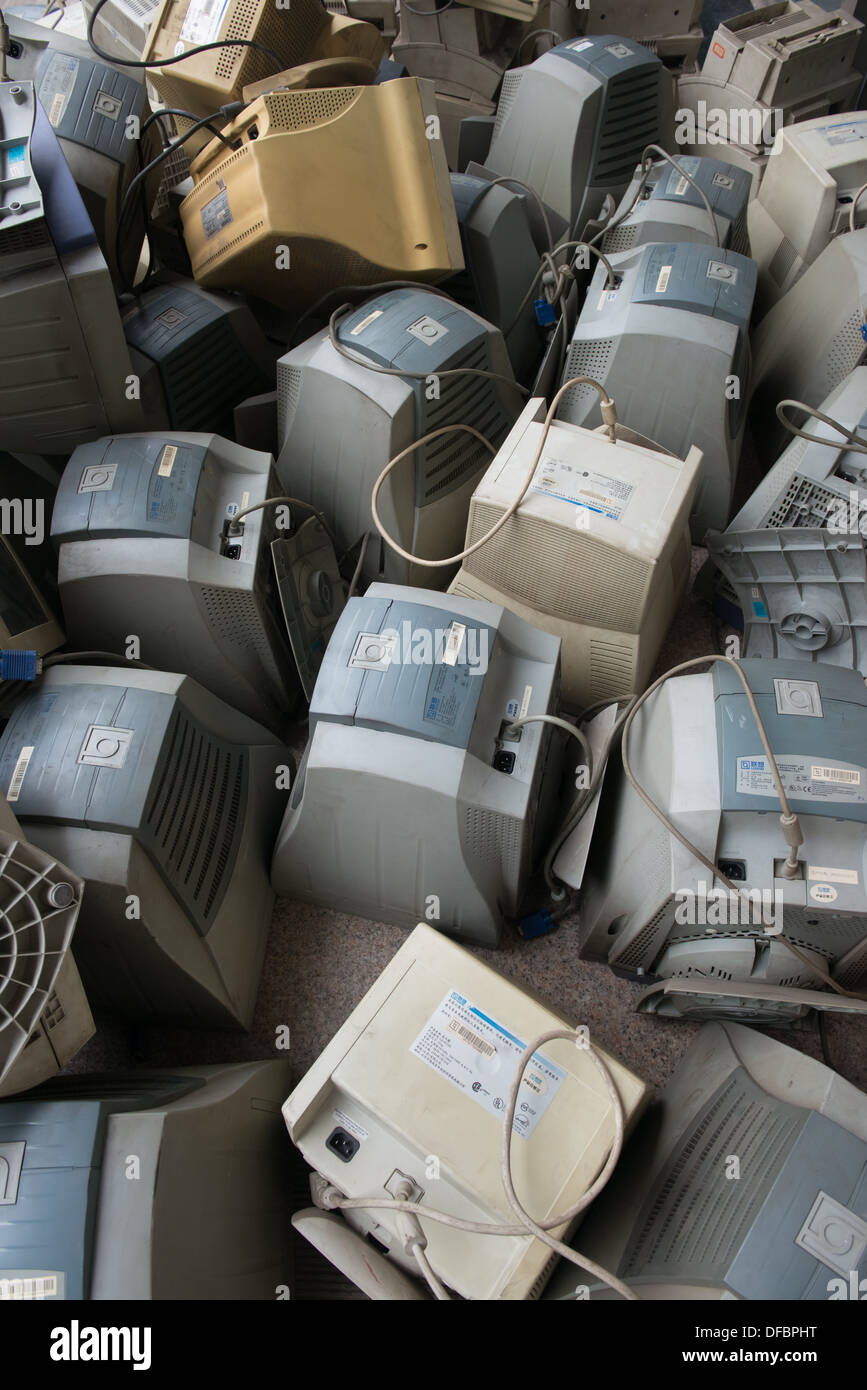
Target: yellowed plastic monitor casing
[(410, 1112), (344, 180), (209, 80)]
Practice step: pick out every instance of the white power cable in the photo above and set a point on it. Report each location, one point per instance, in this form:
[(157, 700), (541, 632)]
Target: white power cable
[(855, 443), (609, 416), (333, 1199)]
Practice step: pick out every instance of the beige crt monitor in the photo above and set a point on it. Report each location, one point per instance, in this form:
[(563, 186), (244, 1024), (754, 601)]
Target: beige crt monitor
[(813, 176), (421, 1070), (326, 187), (598, 553), (207, 81)]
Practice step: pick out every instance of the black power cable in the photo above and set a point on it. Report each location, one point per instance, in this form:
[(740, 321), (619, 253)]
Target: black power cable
[(146, 63)]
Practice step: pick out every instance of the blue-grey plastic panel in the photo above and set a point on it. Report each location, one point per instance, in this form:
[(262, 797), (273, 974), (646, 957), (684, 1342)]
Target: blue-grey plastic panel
[(412, 694), (606, 55), (380, 329), (49, 1227), (88, 102), (770, 1263), (129, 486), (839, 736), (467, 191), (702, 279), (55, 723), (726, 187)]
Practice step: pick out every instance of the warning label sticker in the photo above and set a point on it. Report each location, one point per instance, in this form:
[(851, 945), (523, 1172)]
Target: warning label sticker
[(216, 214), (202, 21), (480, 1057), (56, 86), (804, 778), (583, 487)]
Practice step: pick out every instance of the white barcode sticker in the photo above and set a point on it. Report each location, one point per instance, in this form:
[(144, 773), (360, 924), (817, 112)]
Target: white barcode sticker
[(454, 641), (30, 1286), (202, 21), (55, 110), (682, 186), (826, 875), (360, 327), (525, 702), (663, 279), (18, 775), (167, 461), (479, 1056), (802, 778), (836, 774)]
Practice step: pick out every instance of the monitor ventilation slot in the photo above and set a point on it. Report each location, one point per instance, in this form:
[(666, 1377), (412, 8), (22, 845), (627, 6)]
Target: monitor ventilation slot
[(692, 1225), (195, 815), (630, 121), (304, 110), (508, 92), (587, 357), (471, 400)]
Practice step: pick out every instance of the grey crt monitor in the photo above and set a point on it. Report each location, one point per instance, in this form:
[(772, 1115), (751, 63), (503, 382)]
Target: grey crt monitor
[(574, 124), (63, 361), (500, 262), (648, 906), (147, 1185), (670, 343), (341, 421), (140, 522), (670, 208), (415, 799), (680, 1220), (165, 802)]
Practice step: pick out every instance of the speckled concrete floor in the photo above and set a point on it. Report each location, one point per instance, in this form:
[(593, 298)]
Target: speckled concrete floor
[(319, 964)]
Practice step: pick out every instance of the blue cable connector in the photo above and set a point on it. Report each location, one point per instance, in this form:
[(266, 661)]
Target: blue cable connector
[(19, 666)]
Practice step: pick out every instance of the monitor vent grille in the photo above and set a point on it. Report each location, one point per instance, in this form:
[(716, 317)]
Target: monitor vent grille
[(587, 357), (469, 400), (845, 352), (560, 570), (32, 236), (739, 237), (852, 973), (644, 948), (508, 92), (234, 615), (612, 669), (780, 264), (493, 838), (289, 33), (621, 239), (289, 381), (630, 121), (693, 1224), (206, 377), (304, 110), (195, 815)]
